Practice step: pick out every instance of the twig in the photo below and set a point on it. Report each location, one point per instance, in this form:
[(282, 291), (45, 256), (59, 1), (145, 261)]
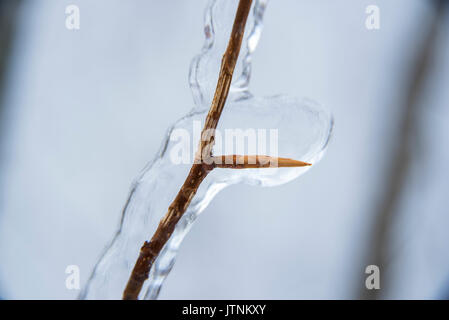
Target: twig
[(199, 171), (204, 161)]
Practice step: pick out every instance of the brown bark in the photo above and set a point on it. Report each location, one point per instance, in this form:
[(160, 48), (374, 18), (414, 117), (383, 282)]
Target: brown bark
[(150, 250)]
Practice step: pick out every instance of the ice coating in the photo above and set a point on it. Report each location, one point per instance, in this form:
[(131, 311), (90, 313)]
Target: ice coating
[(303, 128), (203, 75)]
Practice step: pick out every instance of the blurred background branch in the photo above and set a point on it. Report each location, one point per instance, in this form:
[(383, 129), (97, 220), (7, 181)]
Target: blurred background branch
[(403, 151), (8, 17)]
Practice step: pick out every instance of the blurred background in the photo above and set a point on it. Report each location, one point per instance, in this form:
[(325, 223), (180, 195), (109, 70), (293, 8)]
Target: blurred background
[(82, 111)]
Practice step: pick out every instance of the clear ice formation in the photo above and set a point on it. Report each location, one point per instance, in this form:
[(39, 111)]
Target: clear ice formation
[(304, 128)]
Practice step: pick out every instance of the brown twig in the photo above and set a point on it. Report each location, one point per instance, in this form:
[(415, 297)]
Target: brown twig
[(204, 161), (199, 171)]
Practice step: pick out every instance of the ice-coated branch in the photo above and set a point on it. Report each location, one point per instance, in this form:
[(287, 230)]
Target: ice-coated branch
[(150, 250), (306, 124)]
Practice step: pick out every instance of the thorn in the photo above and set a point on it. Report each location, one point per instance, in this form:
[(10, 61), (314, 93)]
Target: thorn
[(286, 162), (255, 161)]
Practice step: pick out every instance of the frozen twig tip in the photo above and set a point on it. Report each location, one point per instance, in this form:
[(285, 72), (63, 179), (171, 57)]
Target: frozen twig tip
[(255, 161)]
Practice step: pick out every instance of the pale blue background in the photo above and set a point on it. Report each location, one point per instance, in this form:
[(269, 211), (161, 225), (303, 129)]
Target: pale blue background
[(85, 110)]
